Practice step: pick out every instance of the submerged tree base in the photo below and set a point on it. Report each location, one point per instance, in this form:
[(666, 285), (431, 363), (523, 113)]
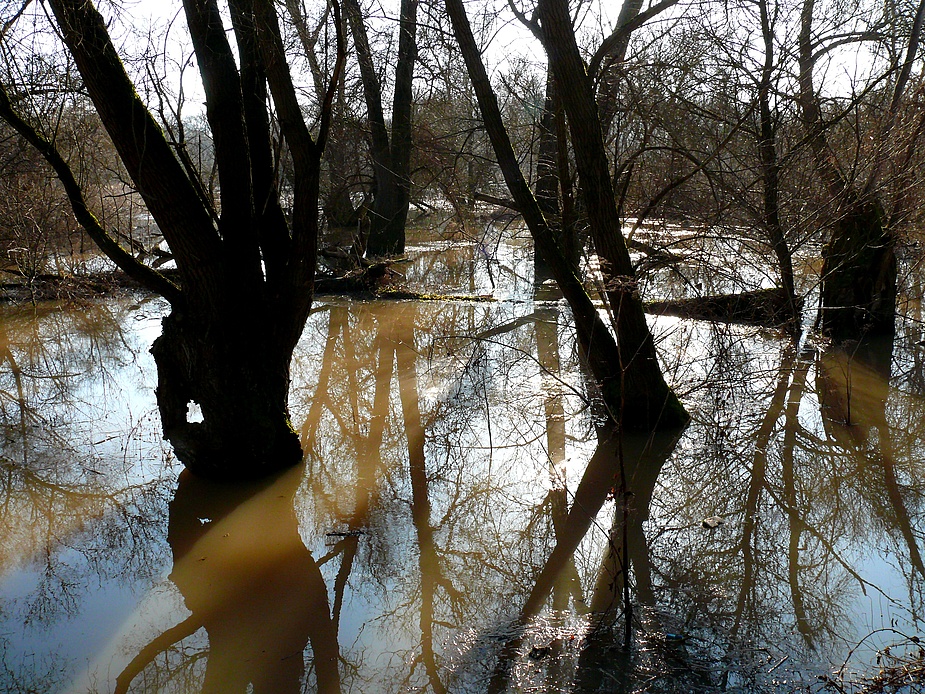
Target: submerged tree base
[(224, 457), (859, 275), (662, 411), (238, 380)]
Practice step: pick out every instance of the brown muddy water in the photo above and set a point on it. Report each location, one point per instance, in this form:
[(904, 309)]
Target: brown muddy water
[(461, 523)]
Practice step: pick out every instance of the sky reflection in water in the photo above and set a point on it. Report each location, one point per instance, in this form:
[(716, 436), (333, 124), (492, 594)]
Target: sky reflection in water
[(459, 523)]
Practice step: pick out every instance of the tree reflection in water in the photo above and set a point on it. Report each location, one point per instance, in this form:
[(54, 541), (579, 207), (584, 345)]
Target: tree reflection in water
[(853, 386), (460, 524), (82, 504), (247, 577)]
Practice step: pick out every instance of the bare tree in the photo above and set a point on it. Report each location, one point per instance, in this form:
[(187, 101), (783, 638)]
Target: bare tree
[(246, 266), (859, 270), (626, 368), (390, 154)]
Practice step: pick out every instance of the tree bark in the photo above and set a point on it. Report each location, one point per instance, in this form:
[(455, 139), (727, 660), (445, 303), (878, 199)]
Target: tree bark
[(770, 169), (553, 183), (643, 395), (859, 263), (859, 272), (240, 380)]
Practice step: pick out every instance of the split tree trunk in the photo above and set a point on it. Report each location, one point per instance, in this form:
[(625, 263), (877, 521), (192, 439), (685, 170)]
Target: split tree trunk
[(391, 157), (626, 369), (553, 184), (641, 391)]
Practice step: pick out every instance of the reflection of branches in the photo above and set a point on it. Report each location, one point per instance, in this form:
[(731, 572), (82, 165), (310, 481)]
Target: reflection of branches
[(527, 355), (420, 508), (644, 458), (796, 524), (369, 461), (336, 320), (853, 389), (790, 558), (247, 577), (826, 544), (153, 649), (356, 394), (7, 356), (757, 482), (901, 513)]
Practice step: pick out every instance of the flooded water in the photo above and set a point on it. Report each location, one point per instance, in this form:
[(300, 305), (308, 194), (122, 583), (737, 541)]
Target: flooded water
[(461, 522)]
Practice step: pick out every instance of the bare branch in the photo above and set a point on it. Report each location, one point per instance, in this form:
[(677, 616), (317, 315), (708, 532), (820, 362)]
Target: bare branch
[(143, 274), (615, 44)]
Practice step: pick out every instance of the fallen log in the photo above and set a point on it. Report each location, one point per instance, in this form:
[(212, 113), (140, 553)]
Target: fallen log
[(765, 307), (365, 279)]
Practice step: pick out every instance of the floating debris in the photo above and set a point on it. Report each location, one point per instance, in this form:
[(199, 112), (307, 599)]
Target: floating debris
[(713, 522)]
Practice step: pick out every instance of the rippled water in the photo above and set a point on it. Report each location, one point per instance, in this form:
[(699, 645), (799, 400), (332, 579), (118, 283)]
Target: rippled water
[(461, 522)]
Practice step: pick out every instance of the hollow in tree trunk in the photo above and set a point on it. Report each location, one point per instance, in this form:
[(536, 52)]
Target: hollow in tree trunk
[(240, 380)]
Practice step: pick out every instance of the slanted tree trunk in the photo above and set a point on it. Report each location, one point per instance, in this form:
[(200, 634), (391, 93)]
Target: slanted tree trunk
[(770, 170), (631, 381), (391, 157), (246, 271), (859, 263), (336, 199), (642, 389)]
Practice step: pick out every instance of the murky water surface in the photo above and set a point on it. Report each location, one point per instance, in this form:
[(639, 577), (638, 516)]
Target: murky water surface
[(461, 523)]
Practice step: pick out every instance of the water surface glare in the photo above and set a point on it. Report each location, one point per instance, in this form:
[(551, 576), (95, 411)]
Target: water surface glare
[(460, 522)]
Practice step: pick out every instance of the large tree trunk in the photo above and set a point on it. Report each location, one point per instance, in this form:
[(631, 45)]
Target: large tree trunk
[(859, 274), (239, 377), (388, 215), (246, 271)]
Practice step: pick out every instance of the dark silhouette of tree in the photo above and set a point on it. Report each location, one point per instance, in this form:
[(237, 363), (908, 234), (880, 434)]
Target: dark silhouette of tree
[(859, 262), (246, 266), (554, 191), (248, 579)]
